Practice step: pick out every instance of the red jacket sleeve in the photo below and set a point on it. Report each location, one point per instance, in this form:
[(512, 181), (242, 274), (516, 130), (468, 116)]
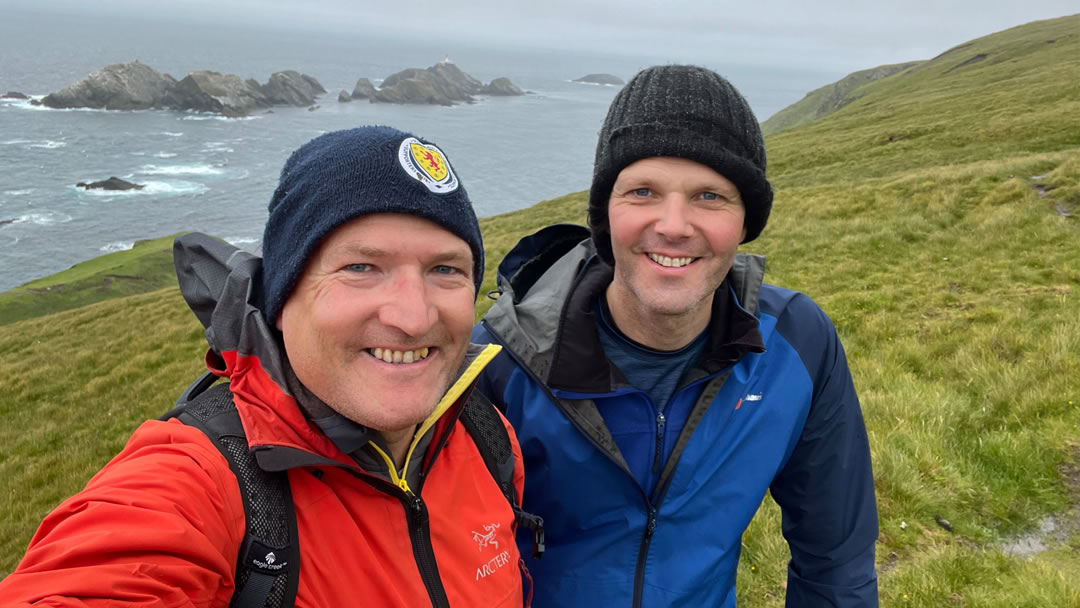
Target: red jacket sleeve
[(160, 525)]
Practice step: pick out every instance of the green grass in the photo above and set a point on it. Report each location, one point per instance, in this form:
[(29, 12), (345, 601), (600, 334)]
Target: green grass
[(942, 256), (827, 99), (148, 266), (1021, 99)]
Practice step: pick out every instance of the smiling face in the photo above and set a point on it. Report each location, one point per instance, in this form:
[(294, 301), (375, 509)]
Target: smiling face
[(675, 226), (379, 322)]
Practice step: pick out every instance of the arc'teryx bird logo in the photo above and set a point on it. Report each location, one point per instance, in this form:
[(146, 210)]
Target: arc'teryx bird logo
[(487, 537)]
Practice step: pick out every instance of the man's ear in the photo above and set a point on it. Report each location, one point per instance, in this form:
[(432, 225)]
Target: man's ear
[(741, 239)]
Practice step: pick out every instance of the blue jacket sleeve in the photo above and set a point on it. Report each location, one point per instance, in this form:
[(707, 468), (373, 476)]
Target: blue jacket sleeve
[(826, 488)]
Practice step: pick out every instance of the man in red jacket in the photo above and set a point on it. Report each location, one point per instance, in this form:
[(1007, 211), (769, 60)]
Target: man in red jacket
[(347, 351)]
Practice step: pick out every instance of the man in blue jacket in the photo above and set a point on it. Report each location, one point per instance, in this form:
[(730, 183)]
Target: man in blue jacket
[(659, 389)]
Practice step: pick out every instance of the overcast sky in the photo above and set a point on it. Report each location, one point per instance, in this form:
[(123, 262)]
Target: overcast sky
[(840, 35)]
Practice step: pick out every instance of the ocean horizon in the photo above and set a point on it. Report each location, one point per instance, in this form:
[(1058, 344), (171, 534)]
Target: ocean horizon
[(216, 175)]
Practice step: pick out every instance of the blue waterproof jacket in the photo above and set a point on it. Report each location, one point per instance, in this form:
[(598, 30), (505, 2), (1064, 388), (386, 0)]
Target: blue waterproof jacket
[(769, 406)]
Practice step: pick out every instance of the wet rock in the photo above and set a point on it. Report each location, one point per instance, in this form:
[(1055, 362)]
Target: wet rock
[(944, 523), (136, 86), (13, 95), (344, 97), (217, 93), (113, 183), (363, 89), (414, 91), (292, 88), (502, 87), (600, 79), (120, 86), (443, 84)]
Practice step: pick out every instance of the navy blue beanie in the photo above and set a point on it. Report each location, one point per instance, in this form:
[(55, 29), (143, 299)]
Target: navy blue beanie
[(343, 175)]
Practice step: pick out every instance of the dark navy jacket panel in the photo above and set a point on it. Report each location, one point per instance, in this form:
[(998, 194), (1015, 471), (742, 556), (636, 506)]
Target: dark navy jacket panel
[(821, 465)]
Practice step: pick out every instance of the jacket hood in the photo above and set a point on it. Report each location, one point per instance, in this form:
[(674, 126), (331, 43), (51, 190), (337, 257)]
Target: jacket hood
[(548, 281), (221, 284)]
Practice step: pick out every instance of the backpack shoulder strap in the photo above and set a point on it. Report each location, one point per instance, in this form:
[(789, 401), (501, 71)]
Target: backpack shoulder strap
[(268, 565), (489, 434)]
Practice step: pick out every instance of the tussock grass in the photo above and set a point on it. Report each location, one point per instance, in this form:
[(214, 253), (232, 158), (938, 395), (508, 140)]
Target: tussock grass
[(941, 256), (76, 384)]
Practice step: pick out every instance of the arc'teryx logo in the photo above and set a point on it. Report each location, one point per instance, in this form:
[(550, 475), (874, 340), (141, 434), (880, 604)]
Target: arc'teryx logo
[(487, 537), (484, 539)]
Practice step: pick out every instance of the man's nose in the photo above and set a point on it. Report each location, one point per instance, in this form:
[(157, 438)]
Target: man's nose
[(674, 221), (407, 305)]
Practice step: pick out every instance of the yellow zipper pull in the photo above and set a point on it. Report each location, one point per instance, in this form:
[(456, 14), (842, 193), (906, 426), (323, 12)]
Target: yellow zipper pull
[(399, 480)]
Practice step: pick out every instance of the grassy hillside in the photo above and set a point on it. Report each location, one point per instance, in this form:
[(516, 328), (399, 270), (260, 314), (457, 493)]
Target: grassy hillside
[(146, 267), (829, 98), (1013, 93), (928, 218)]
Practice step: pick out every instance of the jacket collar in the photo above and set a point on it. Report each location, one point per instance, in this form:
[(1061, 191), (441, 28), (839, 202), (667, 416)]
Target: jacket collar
[(732, 332), (285, 423), (556, 270)]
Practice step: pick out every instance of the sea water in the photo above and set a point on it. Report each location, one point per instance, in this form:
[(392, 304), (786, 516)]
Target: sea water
[(216, 175)]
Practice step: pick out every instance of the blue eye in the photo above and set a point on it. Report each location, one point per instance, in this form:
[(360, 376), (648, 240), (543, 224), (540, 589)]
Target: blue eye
[(710, 196), (444, 269), (358, 267), (641, 192)]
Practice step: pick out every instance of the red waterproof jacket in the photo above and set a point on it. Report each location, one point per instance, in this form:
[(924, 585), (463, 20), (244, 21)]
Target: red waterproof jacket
[(162, 523)]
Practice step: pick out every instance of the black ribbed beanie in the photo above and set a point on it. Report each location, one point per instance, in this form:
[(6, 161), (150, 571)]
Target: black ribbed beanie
[(342, 175), (687, 112)]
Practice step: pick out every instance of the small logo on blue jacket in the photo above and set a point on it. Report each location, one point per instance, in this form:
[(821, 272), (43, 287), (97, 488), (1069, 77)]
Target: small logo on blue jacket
[(750, 397)]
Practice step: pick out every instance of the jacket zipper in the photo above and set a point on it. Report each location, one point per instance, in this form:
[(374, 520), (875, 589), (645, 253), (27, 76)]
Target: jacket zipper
[(416, 515), (643, 554), (650, 524), (420, 534), (660, 421), (660, 491)]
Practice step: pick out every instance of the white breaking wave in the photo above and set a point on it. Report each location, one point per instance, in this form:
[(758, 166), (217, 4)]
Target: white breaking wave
[(117, 246), (214, 117), (165, 154), (174, 188), (46, 218), (246, 243), (172, 134), (18, 192), (216, 146), (41, 108), (180, 170), (47, 144), (24, 104)]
